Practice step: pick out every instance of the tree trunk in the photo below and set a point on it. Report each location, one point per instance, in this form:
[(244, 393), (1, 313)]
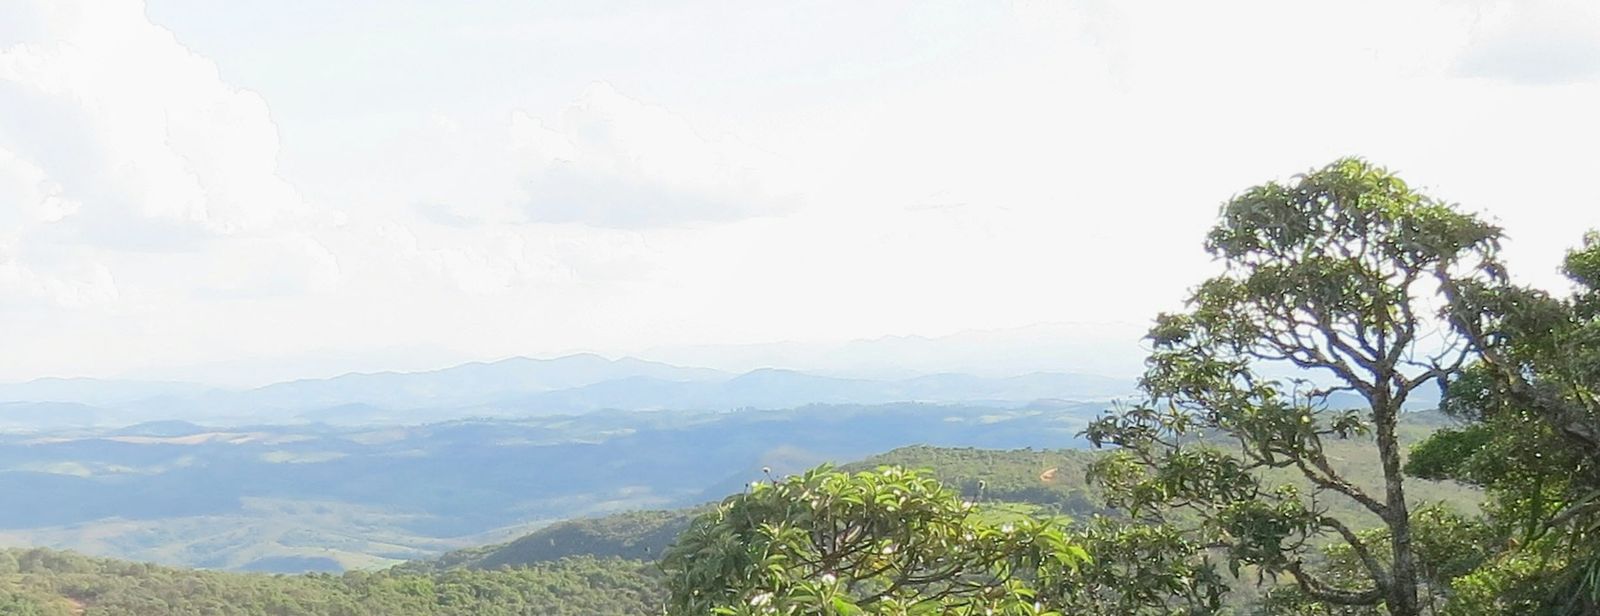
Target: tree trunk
[(1402, 599)]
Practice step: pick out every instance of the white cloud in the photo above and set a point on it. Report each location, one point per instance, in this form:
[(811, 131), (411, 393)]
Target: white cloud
[(31, 200), (70, 284), (756, 172), (152, 132), (34, 197), (118, 138), (1535, 42), (291, 265), (613, 161), (506, 260)]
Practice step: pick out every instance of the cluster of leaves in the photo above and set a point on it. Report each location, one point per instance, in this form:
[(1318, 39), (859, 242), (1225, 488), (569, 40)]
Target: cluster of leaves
[(49, 583), (1141, 569), (893, 541), (1531, 438), (1052, 479), (889, 541)]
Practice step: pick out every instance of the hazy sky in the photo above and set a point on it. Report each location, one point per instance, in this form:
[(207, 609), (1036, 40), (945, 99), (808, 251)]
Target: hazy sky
[(407, 182)]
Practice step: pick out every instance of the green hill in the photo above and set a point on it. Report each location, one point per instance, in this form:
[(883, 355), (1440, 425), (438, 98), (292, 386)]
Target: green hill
[(1052, 479), (636, 535), (40, 582)]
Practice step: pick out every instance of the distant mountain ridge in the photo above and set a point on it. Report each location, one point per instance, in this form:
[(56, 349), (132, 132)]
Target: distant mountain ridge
[(513, 387), (470, 383)]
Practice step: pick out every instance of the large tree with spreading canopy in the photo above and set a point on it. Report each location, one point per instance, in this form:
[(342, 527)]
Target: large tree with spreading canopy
[(1326, 319)]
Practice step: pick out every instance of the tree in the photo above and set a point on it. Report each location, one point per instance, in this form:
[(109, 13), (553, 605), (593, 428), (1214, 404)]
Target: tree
[(889, 541), (1336, 275), (1531, 437)]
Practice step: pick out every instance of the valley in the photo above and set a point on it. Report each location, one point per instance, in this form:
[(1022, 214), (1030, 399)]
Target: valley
[(315, 497)]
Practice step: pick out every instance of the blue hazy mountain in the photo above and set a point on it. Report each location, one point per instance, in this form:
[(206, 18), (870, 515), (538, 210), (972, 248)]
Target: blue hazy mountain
[(775, 388), (515, 387), (463, 385), (53, 415)]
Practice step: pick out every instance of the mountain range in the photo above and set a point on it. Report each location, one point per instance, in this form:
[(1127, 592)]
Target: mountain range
[(515, 387)]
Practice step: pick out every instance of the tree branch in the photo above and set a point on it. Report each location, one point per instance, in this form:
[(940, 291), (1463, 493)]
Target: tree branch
[(1323, 591)]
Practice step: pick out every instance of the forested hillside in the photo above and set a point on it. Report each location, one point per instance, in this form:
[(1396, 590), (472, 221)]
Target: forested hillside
[(634, 535), (41, 582)]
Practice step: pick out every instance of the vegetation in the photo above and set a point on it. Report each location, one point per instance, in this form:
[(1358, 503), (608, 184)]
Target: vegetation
[(1050, 479), (885, 542), (1328, 274), (633, 535), (893, 541), (1344, 284), (1057, 480), (1531, 437), (1527, 434), (48, 583), (1132, 569)]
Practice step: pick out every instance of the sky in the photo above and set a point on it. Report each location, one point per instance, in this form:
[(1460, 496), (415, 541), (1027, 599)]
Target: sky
[(271, 188)]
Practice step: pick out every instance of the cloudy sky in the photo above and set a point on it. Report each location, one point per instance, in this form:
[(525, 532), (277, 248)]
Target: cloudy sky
[(284, 185)]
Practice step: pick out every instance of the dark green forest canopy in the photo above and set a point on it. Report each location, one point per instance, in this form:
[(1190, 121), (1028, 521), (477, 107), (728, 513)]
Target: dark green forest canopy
[(49, 583), (634, 535)]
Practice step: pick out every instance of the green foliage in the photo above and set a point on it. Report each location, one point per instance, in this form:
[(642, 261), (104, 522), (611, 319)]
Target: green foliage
[(1051, 479), (889, 541), (1448, 545), (1451, 454), (51, 583), (1523, 580), (1137, 569), (1532, 439), (22, 603), (634, 535), (1331, 274)]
